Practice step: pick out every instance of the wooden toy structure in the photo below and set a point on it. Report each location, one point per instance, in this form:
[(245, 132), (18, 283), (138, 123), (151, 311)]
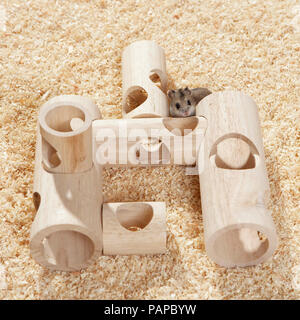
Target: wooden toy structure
[(223, 142)]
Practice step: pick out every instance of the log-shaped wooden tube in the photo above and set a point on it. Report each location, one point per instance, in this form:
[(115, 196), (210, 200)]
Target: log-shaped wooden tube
[(66, 129), (144, 81), (238, 227), (66, 233), (143, 142)]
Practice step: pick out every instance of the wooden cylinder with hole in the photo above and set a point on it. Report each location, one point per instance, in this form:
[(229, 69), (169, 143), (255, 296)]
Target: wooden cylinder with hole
[(66, 232), (66, 129), (134, 228), (143, 142), (144, 81), (238, 227)]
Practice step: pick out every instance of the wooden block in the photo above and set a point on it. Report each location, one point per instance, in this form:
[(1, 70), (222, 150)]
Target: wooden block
[(66, 128), (142, 142), (144, 81), (134, 228), (66, 232), (238, 227)]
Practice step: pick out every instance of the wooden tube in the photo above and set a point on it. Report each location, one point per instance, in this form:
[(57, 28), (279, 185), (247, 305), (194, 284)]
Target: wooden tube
[(143, 142), (66, 129), (66, 233), (134, 228), (144, 81), (238, 227)]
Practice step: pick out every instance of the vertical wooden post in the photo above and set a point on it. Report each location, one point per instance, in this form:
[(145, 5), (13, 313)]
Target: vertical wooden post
[(67, 232), (144, 81)]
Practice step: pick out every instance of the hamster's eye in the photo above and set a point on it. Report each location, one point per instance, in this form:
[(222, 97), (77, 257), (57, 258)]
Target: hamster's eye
[(189, 102), (177, 105)]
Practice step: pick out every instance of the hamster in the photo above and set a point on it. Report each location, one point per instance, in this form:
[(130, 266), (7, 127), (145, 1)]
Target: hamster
[(184, 101)]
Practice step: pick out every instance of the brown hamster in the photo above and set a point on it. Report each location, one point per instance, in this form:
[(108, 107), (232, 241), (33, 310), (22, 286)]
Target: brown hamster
[(184, 101)]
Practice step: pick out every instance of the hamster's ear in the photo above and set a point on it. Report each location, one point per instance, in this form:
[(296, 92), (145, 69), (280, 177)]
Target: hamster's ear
[(171, 93), (187, 90)]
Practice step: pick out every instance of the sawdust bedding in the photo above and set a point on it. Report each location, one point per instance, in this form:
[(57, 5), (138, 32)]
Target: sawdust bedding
[(49, 48)]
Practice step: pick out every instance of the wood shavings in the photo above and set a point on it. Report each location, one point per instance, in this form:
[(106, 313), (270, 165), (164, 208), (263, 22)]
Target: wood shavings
[(52, 47)]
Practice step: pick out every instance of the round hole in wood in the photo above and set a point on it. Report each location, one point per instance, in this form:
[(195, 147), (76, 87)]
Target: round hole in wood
[(51, 157), (67, 249), (240, 246), (155, 78), (233, 153), (134, 216), (153, 151), (181, 126), (137, 154), (150, 144), (36, 200), (59, 118), (135, 98), (76, 123)]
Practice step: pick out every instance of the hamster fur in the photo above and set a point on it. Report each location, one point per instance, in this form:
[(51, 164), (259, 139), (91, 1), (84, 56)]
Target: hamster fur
[(184, 101)]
